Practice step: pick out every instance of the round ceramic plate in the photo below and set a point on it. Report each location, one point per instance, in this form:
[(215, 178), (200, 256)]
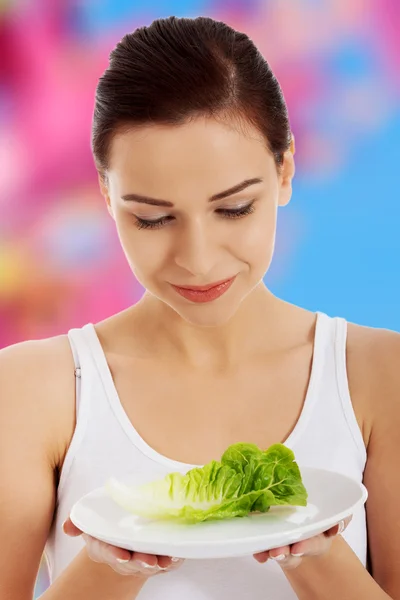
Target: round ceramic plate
[(332, 497)]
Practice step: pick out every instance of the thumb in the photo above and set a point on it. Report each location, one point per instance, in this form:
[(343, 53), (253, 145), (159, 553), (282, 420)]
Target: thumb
[(70, 529)]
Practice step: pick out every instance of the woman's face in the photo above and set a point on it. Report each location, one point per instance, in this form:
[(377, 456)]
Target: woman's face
[(196, 205)]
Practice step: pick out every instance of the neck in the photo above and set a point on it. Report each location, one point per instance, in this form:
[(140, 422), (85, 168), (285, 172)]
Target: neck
[(259, 325)]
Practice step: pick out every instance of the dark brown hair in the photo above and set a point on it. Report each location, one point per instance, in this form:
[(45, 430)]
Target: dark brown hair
[(180, 68)]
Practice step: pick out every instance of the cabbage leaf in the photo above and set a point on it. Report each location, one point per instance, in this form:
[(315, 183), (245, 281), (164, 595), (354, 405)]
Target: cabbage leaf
[(245, 480)]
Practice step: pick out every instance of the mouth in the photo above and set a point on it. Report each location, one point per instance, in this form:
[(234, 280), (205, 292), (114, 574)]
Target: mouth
[(204, 293), (203, 288)]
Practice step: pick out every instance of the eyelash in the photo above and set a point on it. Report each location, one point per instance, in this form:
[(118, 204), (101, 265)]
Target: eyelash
[(230, 213)]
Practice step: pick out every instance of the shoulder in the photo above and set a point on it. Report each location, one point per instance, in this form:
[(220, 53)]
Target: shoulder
[(38, 389), (36, 365), (34, 351), (373, 365), (376, 352)]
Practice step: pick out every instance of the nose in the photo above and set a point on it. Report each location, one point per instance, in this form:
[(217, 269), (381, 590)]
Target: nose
[(194, 251)]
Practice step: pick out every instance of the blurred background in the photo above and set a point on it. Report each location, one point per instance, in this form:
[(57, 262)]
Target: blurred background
[(338, 245)]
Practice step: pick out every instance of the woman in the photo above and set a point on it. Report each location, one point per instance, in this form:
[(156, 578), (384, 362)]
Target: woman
[(193, 147)]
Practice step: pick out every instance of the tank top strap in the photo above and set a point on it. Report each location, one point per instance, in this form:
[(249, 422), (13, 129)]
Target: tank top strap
[(74, 343), (340, 355), (81, 351), (328, 399), (85, 366), (322, 342), (84, 380)]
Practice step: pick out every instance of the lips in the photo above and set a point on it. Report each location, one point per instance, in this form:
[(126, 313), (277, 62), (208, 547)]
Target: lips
[(203, 288), (204, 293)]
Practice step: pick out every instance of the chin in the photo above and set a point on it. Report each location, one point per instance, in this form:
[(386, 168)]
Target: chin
[(215, 313)]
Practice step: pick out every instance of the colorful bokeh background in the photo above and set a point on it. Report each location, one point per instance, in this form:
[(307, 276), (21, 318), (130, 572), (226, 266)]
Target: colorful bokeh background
[(338, 245)]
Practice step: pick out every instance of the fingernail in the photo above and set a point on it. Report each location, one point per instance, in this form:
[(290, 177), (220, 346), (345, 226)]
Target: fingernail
[(175, 560), (144, 565), (123, 560), (298, 555), (279, 557), (341, 527)]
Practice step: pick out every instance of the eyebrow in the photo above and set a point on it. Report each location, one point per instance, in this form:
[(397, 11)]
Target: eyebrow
[(157, 202)]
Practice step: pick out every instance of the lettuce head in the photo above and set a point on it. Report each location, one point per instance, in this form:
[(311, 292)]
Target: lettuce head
[(245, 480)]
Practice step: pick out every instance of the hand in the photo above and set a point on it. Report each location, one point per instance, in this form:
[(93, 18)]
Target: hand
[(290, 557), (123, 561)]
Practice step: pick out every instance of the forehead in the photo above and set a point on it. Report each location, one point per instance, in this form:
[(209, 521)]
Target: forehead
[(203, 153)]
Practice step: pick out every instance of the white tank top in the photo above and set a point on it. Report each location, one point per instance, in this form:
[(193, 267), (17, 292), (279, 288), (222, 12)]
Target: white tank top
[(105, 443)]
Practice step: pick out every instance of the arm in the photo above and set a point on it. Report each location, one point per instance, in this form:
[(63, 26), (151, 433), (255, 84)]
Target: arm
[(37, 419), (339, 574), (85, 579), (27, 494)]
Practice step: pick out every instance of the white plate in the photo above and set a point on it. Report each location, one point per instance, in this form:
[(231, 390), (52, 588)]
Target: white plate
[(332, 497)]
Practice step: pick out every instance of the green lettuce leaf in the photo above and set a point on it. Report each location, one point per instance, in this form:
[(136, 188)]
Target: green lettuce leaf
[(246, 480)]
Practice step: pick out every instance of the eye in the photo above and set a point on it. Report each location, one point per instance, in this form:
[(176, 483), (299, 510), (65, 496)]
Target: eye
[(156, 224), (230, 213), (236, 213)]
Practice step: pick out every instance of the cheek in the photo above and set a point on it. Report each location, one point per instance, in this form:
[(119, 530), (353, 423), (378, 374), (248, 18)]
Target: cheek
[(256, 242), (143, 249)]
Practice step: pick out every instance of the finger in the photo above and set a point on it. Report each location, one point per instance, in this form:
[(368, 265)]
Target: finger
[(284, 558), (262, 557), (289, 562), (71, 529), (148, 559), (339, 528), (279, 553), (319, 544), (169, 562), (134, 567), (138, 566), (101, 552), (121, 555), (120, 560)]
